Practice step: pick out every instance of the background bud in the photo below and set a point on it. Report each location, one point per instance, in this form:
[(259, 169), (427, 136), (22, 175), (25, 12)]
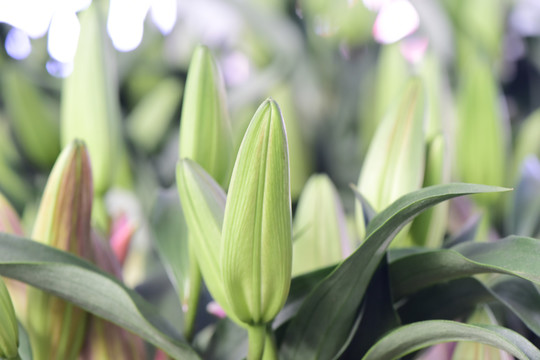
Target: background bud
[(9, 332), (56, 328)]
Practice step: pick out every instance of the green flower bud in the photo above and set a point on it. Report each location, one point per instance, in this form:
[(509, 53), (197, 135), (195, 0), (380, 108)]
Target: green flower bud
[(394, 164), (32, 120), (11, 224), (56, 327), (205, 134), (149, 121), (90, 107), (9, 331), (321, 227), (428, 228), (256, 234), (480, 137)]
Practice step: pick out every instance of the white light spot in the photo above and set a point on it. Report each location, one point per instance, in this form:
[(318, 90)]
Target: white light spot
[(125, 24), (31, 16), (58, 69), (18, 44), (525, 17), (63, 36), (375, 5), (236, 68), (164, 13), (396, 20)]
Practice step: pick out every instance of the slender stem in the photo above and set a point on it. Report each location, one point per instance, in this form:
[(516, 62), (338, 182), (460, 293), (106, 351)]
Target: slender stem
[(193, 295), (270, 350), (256, 337)]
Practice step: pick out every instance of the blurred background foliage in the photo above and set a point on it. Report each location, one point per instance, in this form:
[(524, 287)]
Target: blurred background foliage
[(338, 69)]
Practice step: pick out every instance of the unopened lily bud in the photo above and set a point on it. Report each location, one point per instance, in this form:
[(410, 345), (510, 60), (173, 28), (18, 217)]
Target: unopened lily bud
[(321, 227), (9, 220), (107, 341), (256, 235), (11, 224), (205, 134), (32, 120), (9, 331), (56, 327), (90, 106), (394, 164)]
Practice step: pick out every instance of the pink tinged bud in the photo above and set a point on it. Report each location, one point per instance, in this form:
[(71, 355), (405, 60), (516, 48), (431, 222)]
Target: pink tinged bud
[(63, 219), (106, 341), (56, 327), (121, 234), (395, 20), (9, 220), (215, 309), (160, 355)]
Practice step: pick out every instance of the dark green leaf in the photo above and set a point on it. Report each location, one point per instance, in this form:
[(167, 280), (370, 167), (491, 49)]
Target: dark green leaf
[(83, 284), (522, 298), (410, 338), (337, 298), (516, 256)]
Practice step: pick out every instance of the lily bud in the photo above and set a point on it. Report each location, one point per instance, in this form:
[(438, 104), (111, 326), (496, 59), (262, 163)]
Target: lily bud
[(394, 164), (11, 224), (90, 106), (9, 331), (321, 227), (9, 220), (56, 327), (256, 234), (32, 120), (205, 134)]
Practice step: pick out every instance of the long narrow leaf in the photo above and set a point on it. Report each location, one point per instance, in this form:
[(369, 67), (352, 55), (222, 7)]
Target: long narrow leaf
[(83, 284), (517, 256), (337, 298), (410, 338)]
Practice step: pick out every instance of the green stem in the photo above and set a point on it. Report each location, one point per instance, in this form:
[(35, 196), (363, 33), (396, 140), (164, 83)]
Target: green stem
[(193, 295), (256, 337), (270, 350)]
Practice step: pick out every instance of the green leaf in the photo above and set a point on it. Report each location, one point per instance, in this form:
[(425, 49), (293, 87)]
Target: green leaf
[(338, 296), (517, 256), (25, 349), (320, 223), (83, 284), (522, 298), (464, 294), (410, 338), (148, 122), (378, 314), (203, 202), (170, 229)]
